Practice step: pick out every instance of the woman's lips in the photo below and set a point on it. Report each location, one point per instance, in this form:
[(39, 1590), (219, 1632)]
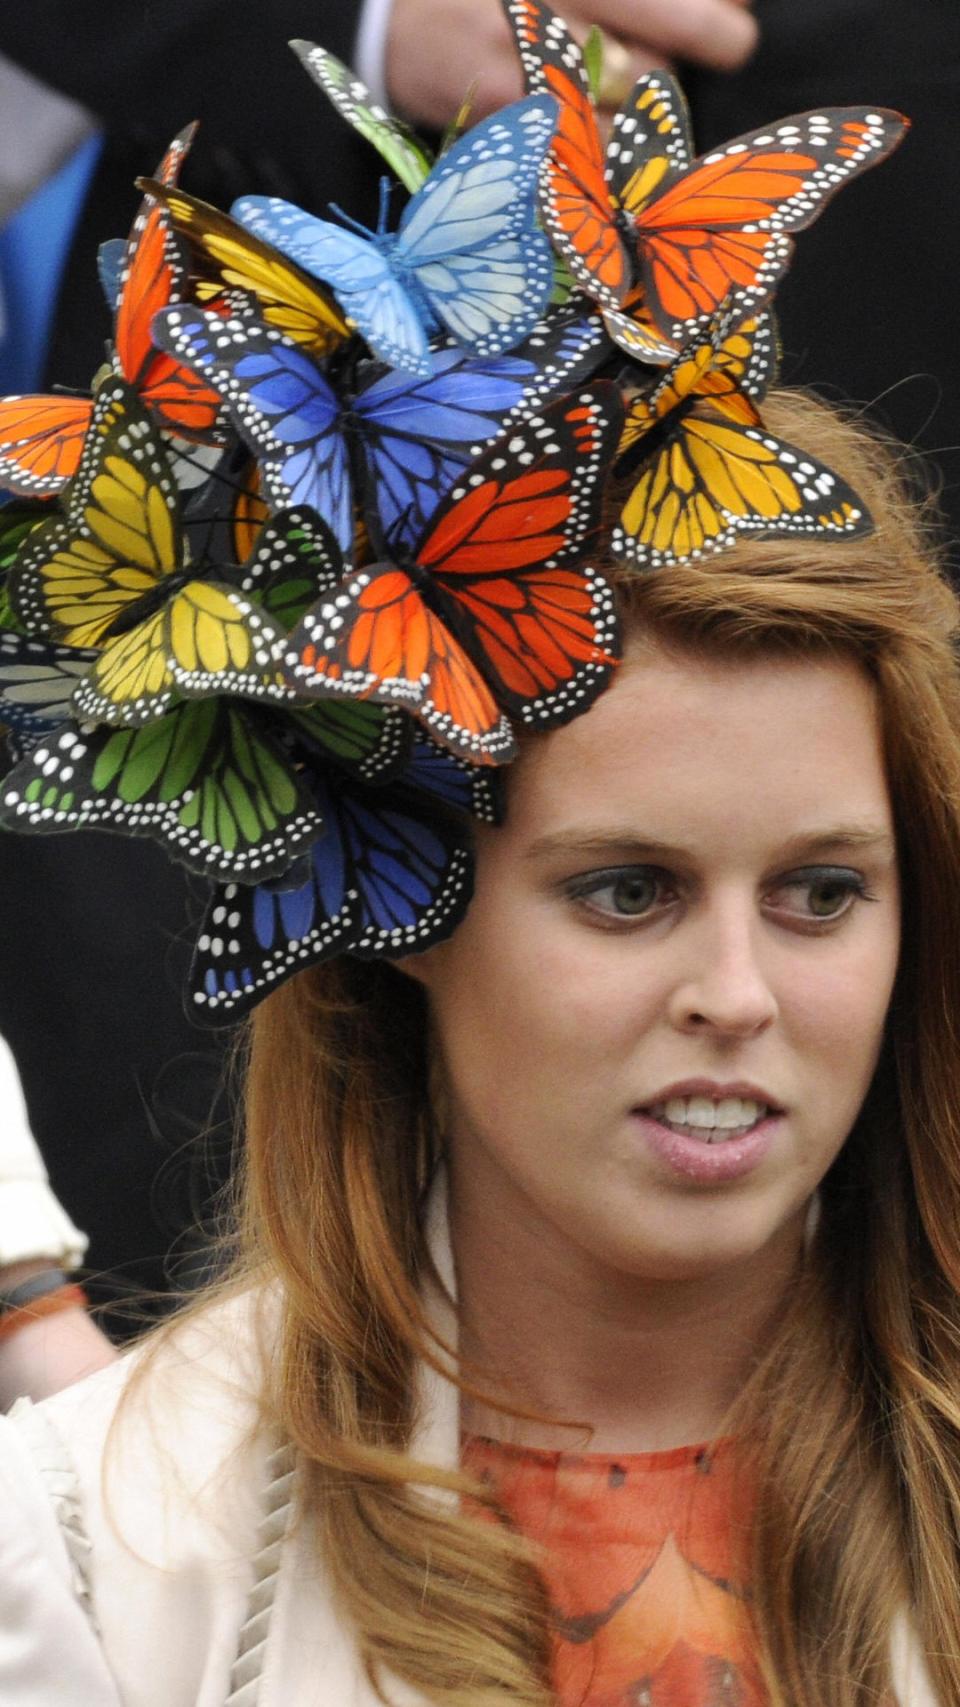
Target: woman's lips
[(708, 1159)]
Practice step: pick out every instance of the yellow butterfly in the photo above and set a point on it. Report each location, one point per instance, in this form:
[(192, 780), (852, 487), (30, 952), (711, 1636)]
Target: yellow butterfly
[(225, 256), (112, 574), (706, 467)]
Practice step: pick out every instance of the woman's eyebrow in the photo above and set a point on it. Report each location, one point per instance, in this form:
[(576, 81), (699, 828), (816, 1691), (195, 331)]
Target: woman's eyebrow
[(856, 838), (625, 843), (602, 843)]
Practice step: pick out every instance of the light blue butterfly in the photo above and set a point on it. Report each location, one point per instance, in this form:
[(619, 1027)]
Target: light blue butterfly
[(468, 256)]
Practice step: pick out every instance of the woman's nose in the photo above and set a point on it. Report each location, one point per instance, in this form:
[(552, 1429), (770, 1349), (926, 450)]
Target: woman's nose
[(724, 985)]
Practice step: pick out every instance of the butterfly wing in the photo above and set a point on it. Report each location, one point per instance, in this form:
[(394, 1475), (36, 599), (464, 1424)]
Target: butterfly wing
[(208, 780), (37, 682), (225, 256), (713, 471), (152, 275), (651, 141), (506, 551), (75, 576), (208, 640), (390, 875), (723, 225), (633, 329), (744, 367), (578, 209), (282, 406), (295, 557), (716, 479), (359, 272), (418, 434), (469, 236), (41, 441), (376, 638), (370, 741), (394, 141), (111, 261)]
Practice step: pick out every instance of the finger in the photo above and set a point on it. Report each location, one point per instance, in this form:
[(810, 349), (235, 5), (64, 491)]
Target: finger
[(611, 96), (436, 50), (640, 63), (721, 34)]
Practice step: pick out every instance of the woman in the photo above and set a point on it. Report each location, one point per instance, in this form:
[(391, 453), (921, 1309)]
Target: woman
[(674, 1118)]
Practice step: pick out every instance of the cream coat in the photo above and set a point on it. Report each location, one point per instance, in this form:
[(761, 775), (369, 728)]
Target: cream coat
[(184, 1581)]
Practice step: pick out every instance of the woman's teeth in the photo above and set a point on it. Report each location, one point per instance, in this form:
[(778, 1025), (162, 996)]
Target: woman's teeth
[(712, 1122)]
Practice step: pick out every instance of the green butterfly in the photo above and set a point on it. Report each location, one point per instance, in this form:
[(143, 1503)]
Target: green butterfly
[(209, 780), (17, 521), (394, 141)]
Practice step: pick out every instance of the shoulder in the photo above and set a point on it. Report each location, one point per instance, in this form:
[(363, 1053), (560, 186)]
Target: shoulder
[(48, 1649), (156, 1471)]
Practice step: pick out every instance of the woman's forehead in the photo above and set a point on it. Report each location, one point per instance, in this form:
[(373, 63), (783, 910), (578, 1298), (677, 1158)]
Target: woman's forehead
[(687, 741)]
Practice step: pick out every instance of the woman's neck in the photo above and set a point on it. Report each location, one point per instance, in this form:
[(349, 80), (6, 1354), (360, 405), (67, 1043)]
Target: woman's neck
[(642, 1365)]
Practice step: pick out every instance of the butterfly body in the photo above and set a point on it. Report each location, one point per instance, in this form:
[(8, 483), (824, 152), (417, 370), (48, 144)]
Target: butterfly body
[(111, 574), (693, 233), (495, 611), (325, 438), (707, 469), (467, 256)]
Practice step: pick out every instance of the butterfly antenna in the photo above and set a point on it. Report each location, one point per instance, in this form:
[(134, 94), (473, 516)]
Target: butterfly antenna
[(347, 219), (383, 212)]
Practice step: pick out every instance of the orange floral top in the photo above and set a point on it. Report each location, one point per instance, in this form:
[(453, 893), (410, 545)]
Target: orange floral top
[(645, 1566)]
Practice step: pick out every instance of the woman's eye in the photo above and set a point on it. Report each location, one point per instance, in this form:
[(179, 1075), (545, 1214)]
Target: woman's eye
[(824, 893), (624, 893)]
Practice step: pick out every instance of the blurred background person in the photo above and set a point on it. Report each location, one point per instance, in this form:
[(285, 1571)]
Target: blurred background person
[(47, 1339)]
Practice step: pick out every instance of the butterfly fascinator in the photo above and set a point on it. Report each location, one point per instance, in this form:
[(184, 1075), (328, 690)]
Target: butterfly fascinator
[(280, 590)]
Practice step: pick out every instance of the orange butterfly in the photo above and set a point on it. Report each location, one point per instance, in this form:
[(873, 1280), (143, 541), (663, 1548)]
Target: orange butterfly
[(707, 469), (693, 233), (41, 438), (495, 611)]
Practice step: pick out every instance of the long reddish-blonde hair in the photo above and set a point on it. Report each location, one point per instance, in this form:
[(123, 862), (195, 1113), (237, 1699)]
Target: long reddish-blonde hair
[(850, 1422)]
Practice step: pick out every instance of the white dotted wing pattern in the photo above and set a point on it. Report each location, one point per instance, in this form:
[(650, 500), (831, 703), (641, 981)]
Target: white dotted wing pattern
[(307, 688)]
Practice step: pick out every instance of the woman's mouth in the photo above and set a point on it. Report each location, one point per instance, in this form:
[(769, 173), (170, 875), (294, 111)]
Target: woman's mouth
[(709, 1139), (713, 1121)]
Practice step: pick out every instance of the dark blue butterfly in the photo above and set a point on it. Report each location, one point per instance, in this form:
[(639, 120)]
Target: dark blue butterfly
[(391, 873), (410, 437), (111, 260), (468, 257)]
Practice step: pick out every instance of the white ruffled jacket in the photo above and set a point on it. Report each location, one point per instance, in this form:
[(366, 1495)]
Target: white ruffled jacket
[(184, 1578)]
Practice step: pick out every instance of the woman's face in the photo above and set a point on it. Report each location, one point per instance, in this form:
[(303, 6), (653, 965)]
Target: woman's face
[(664, 1008)]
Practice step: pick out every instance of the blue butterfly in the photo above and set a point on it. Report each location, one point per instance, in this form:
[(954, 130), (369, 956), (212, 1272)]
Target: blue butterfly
[(413, 435), (468, 255), (111, 260), (391, 873)]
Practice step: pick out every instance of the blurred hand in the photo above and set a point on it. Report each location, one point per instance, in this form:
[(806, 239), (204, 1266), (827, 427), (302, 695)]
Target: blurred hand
[(51, 1353), (436, 49)]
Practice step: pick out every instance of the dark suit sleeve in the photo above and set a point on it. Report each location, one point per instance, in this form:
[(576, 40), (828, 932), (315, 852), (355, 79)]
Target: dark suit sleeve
[(146, 67)]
